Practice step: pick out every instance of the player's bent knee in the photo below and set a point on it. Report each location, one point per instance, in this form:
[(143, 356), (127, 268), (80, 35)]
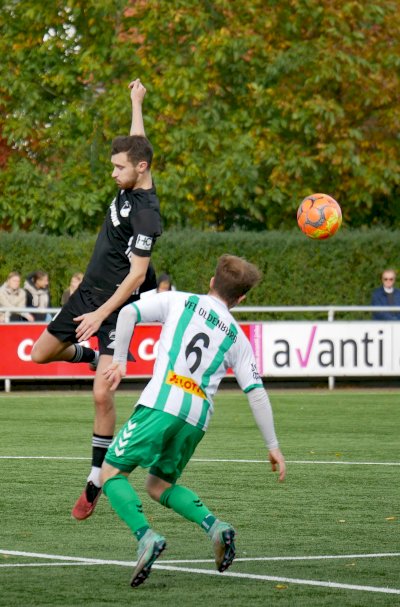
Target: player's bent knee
[(153, 493), (38, 355), (155, 487)]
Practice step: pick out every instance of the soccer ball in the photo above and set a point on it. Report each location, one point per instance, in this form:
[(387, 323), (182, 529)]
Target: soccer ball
[(319, 216)]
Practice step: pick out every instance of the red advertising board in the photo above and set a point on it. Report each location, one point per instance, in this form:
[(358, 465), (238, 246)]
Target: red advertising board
[(17, 339)]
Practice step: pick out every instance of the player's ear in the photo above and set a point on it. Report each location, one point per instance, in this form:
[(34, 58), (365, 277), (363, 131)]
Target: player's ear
[(241, 298), (142, 166), (212, 282)]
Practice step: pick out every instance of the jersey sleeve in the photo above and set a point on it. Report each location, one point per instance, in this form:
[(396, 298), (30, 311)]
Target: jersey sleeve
[(154, 308), (151, 309), (244, 365), (146, 227)]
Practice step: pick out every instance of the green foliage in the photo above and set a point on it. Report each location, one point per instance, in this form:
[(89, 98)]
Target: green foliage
[(60, 256), (297, 271), (250, 107)]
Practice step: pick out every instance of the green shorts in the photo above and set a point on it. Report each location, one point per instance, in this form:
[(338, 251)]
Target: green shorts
[(156, 440)]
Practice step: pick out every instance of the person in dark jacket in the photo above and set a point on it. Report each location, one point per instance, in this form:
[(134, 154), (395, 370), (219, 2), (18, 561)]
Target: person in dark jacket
[(386, 295)]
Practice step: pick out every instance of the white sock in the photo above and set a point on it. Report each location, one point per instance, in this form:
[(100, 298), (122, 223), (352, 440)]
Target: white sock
[(94, 476)]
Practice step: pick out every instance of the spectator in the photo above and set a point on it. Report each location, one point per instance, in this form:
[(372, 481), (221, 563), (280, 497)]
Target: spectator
[(13, 296), (76, 280), (386, 295), (164, 283), (37, 293)]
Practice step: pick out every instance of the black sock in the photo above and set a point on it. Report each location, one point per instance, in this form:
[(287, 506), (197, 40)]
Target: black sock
[(100, 445), (82, 354)]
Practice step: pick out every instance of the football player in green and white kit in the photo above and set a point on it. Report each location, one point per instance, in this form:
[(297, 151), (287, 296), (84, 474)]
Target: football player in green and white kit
[(199, 341)]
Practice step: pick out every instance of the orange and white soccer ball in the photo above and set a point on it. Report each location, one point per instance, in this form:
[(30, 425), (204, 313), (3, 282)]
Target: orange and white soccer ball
[(319, 216)]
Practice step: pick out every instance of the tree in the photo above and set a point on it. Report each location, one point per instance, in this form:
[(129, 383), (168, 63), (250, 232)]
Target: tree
[(251, 107)]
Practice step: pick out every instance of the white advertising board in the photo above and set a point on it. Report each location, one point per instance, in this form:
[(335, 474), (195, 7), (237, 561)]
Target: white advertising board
[(312, 349)]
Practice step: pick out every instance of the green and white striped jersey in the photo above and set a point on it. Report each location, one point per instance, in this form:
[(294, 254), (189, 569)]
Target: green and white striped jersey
[(199, 341)]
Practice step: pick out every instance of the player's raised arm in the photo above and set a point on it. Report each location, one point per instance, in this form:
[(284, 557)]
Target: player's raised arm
[(138, 92), (262, 412)]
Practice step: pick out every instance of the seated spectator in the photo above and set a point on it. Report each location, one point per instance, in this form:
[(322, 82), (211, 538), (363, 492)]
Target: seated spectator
[(12, 295), (76, 280), (386, 295), (37, 293)]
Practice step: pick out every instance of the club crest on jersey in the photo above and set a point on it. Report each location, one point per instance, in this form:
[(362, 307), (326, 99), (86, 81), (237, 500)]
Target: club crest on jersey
[(185, 383), (143, 242), (126, 209)]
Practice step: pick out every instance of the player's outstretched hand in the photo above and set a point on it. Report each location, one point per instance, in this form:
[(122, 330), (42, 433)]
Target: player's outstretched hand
[(138, 91), (277, 463), (114, 373)]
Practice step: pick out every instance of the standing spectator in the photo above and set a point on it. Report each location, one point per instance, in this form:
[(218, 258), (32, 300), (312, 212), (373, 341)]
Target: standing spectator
[(118, 271), (37, 293), (386, 295), (76, 280), (13, 296)]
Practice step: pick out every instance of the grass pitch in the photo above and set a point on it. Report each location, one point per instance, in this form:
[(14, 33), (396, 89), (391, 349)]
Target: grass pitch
[(328, 536)]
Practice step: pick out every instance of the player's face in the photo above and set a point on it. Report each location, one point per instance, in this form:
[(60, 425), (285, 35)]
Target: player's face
[(124, 173)]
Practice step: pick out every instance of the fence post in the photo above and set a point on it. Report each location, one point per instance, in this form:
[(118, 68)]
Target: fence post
[(331, 379)]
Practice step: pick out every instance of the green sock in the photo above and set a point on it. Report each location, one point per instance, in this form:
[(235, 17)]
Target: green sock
[(126, 503), (186, 503)]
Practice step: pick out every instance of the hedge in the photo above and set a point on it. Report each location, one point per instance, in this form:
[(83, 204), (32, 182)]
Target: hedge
[(297, 270)]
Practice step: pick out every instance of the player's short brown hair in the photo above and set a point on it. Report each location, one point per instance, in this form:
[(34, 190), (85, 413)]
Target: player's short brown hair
[(234, 277), (137, 148)]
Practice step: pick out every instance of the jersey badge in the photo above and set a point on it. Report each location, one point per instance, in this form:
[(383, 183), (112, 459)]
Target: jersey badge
[(126, 209), (144, 242)]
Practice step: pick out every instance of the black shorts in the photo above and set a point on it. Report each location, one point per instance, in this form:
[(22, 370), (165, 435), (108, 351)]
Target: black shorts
[(86, 299)]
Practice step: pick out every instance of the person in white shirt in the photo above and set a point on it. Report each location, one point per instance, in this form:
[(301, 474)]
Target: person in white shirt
[(199, 341)]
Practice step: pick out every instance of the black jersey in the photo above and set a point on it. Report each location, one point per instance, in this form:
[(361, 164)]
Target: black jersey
[(131, 226)]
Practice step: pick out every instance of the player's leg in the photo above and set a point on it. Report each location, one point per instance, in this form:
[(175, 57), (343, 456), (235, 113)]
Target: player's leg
[(49, 348), (128, 449), (160, 485), (58, 340), (185, 502), (103, 431)]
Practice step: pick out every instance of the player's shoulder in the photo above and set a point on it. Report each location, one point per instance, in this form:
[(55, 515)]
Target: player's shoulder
[(143, 199)]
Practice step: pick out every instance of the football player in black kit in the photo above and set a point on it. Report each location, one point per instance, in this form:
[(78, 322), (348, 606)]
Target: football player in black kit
[(118, 271)]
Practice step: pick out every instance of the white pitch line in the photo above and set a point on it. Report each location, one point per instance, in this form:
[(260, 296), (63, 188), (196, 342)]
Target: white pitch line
[(246, 576), (66, 457), (213, 460), (167, 566), (79, 559), (286, 580), (79, 563), (254, 559)]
